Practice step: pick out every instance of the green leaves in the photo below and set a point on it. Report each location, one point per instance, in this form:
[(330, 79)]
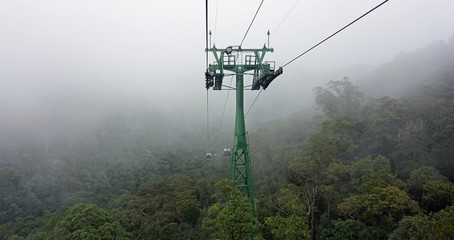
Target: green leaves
[(378, 205), (342, 99), (88, 221), (347, 230), (434, 226), (368, 173), (168, 209), (9, 177), (290, 222), (292, 227), (437, 194), (230, 217), (430, 188)]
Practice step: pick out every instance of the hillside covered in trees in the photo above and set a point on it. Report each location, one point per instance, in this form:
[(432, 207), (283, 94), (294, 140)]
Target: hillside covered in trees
[(364, 168)]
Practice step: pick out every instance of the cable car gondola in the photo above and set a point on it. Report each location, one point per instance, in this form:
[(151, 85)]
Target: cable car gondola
[(227, 152)]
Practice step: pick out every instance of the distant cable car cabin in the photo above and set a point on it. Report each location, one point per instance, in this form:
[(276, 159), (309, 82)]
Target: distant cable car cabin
[(227, 152)]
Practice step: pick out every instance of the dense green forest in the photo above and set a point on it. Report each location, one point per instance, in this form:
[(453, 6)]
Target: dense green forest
[(364, 168)]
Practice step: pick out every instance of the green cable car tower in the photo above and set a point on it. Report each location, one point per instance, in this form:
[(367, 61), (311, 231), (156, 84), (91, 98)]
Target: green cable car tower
[(239, 61)]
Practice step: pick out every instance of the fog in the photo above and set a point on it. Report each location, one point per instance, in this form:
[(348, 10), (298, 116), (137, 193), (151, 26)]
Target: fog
[(74, 62)]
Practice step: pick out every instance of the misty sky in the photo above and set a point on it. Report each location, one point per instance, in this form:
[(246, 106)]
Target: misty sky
[(155, 49)]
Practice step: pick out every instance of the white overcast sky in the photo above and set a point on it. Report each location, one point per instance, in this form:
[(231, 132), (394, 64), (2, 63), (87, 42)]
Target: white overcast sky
[(157, 47)]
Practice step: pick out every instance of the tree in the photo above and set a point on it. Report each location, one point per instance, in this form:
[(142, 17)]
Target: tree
[(367, 174), (437, 195), (322, 165), (434, 226), (444, 223), (413, 144), (9, 177), (382, 121), (348, 230), (230, 218), (166, 208), (413, 227), (308, 174), (443, 137), (290, 220), (88, 221), (433, 107), (383, 207), (388, 201), (419, 178), (342, 99), (430, 188)]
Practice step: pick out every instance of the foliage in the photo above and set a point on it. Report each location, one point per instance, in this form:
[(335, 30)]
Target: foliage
[(342, 99), (419, 178), (438, 225), (290, 220), (361, 170), (348, 230), (368, 174), (88, 221), (388, 202), (231, 217), (437, 195), (166, 209)]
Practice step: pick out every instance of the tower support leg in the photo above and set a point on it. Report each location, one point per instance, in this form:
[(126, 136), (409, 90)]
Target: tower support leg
[(240, 165)]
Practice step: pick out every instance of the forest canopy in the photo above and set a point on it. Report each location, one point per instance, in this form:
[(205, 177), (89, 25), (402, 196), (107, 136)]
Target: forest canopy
[(363, 168)]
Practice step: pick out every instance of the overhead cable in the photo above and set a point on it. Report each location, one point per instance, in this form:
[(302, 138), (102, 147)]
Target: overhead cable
[(253, 102), (223, 112), (247, 31), (206, 50), (285, 17), (216, 21), (338, 31), (206, 32)]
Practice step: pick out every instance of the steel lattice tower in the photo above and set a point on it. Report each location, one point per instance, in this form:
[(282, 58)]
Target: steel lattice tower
[(239, 61)]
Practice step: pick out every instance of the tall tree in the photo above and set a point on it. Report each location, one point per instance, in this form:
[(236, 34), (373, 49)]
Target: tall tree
[(341, 99), (433, 226), (290, 219), (88, 221), (382, 206), (230, 217)]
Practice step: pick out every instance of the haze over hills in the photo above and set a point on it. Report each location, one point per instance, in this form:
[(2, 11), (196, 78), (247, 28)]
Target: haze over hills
[(46, 109), (108, 132), (293, 91), (78, 147), (408, 71)]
